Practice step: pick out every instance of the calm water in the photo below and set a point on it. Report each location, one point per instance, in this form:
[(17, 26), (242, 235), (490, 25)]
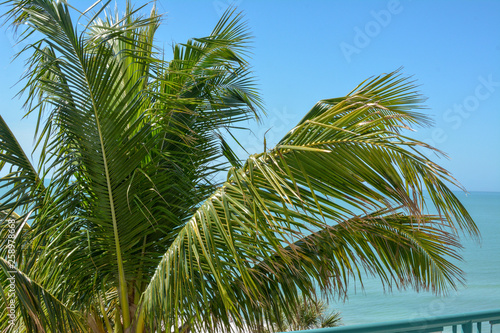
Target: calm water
[(481, 265)]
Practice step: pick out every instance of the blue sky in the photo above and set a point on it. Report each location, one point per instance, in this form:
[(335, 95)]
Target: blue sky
[(305, 51)]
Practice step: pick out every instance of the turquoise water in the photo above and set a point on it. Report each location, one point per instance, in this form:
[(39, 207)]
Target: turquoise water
[(481, 265)]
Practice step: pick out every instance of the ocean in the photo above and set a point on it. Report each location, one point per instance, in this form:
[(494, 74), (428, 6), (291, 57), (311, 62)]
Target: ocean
[(481, 265)]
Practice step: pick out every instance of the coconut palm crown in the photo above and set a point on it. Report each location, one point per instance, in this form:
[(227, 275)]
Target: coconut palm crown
[(125, 225)]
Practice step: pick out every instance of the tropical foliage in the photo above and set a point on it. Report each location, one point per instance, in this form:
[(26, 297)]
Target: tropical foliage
[(124, 225), (310, 314)]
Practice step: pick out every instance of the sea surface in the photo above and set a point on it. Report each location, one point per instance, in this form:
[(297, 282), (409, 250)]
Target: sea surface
[(481, 265)]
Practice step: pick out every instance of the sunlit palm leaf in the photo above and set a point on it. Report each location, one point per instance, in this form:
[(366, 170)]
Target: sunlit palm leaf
[(22, 184), (347, 158), (110, 145)]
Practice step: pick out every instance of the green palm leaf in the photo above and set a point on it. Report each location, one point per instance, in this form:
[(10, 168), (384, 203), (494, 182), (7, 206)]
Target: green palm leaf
[(41, 311), (347, 157), (22, 183)]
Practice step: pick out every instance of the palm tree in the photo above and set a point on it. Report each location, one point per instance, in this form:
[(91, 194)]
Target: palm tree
[(310, 314), (124, 226)]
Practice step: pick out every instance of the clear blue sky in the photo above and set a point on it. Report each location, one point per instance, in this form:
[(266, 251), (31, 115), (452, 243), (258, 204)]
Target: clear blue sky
[(305, 51)]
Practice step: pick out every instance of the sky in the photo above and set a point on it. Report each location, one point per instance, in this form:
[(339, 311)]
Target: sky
[(305, 51)]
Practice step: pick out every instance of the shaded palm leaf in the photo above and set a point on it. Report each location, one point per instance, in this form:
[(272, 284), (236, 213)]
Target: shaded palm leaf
[(41, 311)]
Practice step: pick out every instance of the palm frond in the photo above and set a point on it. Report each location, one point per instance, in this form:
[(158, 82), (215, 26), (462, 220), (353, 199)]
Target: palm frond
[(41, 311), (346, 158), (22, 184)]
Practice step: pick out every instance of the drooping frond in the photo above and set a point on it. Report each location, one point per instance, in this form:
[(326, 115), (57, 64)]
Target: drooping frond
[(22, 184), (41, 311), (347, 158)]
